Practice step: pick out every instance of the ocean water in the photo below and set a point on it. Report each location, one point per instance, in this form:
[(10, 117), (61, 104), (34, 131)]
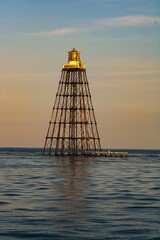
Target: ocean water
[(92, 198)]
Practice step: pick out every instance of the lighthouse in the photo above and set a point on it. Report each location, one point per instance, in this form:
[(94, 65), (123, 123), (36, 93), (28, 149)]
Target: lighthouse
[(72, 127)]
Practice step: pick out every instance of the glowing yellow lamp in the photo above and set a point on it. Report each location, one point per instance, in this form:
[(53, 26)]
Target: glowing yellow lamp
[(74, 61)]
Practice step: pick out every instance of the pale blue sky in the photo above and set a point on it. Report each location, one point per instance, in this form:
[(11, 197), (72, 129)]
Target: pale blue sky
[(119, 43)]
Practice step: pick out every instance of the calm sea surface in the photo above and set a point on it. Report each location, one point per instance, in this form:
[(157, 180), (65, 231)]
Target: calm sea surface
[(79, 197)]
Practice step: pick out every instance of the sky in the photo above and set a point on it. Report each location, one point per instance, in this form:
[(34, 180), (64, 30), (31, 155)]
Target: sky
[(119, 41)]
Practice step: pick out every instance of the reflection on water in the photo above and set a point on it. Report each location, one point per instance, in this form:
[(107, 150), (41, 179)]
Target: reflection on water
[(73, 182), (78, 198)]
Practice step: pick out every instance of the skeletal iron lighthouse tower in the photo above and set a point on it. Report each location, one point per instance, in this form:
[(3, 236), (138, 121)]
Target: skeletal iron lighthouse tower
[(72, 128)]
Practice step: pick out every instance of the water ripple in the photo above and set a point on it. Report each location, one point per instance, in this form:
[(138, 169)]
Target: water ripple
[(79, 198)]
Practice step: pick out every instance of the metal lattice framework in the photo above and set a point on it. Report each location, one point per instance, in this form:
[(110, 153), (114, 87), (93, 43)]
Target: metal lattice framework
[(72, 127)]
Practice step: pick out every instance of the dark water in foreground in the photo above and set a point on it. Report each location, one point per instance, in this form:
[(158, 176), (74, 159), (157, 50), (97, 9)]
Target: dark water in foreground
[(79, 197)]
